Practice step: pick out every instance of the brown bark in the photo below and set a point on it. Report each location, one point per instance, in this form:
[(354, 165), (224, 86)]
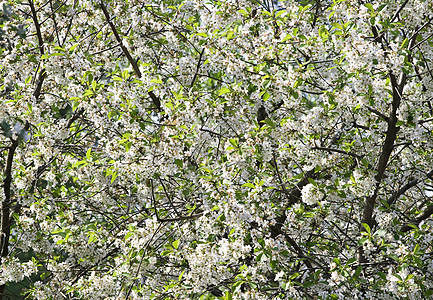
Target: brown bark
[(388, 145), (5, 223)]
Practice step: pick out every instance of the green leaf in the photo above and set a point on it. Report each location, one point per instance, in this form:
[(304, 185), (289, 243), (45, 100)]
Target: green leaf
[(58, 48), (166, 252), (176, 244), (382, 275), (88, 153), (286, 38), (337, 261), (128, 146), (128, 235), (73, 48), (279, 13), (113, 176), (243, 12), (234, 142), (228, 296), (223, 90), (367, 228), (92, 238), (125, 74), (311, 180), (270, 123), (237, 283), (364, 162), (357, 272), (369, 6), (202, 34), (88, 93), (249, 184), (156, 80), (261, 243), (362, 240), (232, 231), (394, 257), (180, 276), (405, 43), (178, 163), (413, 226), (336, 25)]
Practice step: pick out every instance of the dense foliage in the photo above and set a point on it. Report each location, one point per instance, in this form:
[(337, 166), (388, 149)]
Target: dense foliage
[(211, 149)]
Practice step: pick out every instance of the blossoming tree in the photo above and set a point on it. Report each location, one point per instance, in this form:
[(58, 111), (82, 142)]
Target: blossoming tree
[(210, 149)]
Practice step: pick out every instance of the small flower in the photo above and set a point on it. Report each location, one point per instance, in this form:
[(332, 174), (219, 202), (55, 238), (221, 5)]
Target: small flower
[(279, 275)]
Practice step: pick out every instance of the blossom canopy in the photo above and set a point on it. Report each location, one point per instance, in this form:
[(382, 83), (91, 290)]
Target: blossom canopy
[(204, 149)]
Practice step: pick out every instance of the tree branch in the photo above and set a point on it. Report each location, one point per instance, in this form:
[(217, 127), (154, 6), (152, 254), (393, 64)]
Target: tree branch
[(5, 207), (119, 40), (42, 74), (198, 68), (427, 213), (388, 146), (406, 187)]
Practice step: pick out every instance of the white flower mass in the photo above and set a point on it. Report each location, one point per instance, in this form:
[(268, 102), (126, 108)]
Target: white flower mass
[(311, 194), (216, 149)]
